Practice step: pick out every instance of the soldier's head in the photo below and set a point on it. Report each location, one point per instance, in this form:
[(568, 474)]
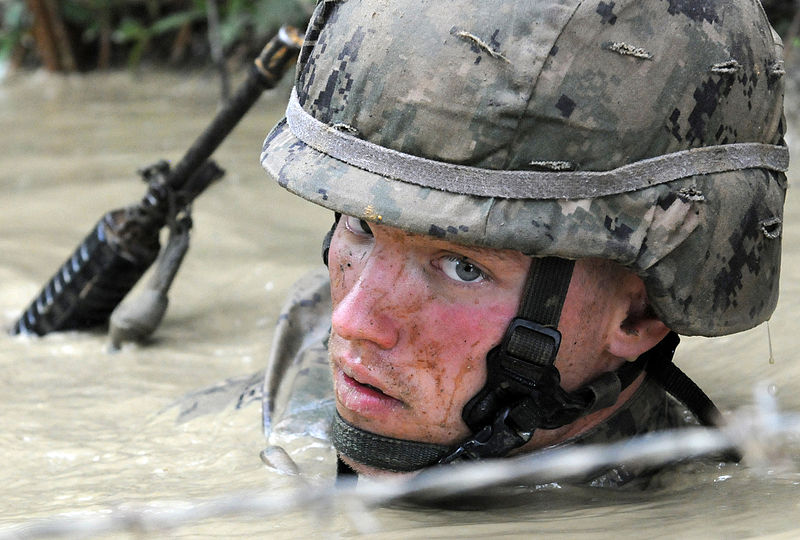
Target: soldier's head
[(529, 197)]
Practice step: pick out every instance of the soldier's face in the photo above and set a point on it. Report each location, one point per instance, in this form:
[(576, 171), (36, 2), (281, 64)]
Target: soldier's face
[(414, 317)]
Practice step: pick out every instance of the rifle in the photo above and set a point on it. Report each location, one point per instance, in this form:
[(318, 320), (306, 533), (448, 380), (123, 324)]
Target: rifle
[(125, 242)]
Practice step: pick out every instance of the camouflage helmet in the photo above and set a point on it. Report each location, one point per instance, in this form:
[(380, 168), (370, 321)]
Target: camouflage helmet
[(647, 132)]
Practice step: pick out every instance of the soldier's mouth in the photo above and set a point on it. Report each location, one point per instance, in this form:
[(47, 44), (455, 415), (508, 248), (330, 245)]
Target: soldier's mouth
[(374, 388), (363, 397), (368, 386)]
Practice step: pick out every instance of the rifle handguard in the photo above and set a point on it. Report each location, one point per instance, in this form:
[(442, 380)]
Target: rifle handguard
[(124, 243), (88, 285)]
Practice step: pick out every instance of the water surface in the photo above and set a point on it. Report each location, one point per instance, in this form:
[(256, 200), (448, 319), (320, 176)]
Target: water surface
[(80, 429)]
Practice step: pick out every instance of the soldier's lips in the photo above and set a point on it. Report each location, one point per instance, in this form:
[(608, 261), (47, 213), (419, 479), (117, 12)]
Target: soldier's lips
[(362, 397)]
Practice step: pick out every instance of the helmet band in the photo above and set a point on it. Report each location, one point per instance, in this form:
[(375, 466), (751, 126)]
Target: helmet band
[(336, 142)]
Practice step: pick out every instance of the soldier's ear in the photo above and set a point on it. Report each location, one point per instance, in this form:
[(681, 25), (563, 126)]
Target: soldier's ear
[(636, 329)]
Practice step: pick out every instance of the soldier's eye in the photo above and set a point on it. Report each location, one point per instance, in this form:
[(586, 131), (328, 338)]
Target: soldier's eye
[(357, 226), (461, 269)]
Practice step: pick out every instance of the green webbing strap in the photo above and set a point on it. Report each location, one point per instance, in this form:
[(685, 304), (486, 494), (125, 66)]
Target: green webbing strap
[(542, 301), (383, 452), (524, 184), (546, 290)]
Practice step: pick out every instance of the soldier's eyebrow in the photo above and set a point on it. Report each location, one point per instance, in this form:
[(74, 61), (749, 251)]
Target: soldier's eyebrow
[(499, 256), (486, 254)]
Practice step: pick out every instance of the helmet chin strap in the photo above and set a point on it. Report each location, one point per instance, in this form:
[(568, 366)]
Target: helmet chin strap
[(523, 387), (522, 391)]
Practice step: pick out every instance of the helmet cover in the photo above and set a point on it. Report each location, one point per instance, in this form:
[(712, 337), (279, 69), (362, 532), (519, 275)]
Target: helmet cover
[(624, 118)]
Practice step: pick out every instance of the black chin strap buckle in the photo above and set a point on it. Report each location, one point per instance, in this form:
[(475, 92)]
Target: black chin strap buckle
[(519, 367), (522, 393), (490, 441), (527, 353), (521, 364), (528, 340)]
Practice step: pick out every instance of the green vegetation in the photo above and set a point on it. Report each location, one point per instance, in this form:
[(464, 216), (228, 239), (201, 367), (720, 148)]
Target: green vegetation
[(14, 24), (69, 35), (82, 35)]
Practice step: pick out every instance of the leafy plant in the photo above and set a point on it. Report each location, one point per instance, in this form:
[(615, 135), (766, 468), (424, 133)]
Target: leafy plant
[(105, 32), (134, 32), (256, 20), (13, 26)]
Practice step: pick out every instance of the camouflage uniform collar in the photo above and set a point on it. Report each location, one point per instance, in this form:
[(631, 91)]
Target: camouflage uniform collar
[(649, 409), (642, 413)]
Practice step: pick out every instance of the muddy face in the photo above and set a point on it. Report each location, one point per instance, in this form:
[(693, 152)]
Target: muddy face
[(415, 316), (413, 319)]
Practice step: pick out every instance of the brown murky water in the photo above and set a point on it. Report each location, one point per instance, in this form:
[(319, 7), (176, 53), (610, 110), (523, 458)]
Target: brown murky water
[(80, 430)]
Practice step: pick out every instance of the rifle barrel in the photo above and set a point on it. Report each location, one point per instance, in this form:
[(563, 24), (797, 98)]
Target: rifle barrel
[(124, 243), (265, 72)]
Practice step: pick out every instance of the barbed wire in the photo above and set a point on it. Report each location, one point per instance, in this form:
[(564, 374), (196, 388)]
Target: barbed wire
[(759, 432)]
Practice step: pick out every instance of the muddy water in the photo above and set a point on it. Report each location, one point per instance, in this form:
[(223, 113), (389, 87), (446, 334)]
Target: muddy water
[(80, 429)]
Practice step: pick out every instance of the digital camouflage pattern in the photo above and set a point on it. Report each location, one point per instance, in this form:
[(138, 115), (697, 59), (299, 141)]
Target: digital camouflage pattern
[(298, 366), (299, 348), (560, 85), (650, 409)]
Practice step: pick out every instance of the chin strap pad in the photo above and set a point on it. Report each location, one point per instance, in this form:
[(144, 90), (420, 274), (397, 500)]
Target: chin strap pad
[(383, 452)]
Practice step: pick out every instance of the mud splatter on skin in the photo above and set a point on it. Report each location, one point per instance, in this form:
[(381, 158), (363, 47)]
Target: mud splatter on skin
[(407, 326), (465, 373)]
